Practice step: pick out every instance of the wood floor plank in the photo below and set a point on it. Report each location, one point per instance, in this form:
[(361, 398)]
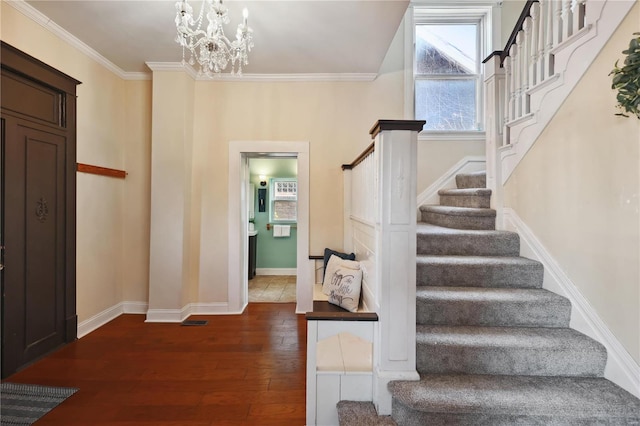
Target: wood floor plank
[(244, 370)]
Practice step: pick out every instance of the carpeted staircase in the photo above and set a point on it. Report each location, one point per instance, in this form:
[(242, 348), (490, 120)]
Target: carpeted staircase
[(493, 347)]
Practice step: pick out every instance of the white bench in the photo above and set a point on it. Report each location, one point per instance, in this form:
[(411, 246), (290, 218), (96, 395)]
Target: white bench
[(339, 359)]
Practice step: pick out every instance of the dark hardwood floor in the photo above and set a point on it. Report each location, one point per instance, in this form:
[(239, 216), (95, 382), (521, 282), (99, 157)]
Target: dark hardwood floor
[(244, 369)]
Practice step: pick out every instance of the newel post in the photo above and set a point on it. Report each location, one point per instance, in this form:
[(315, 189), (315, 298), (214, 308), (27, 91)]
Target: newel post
[(395, 353), (494, 88)]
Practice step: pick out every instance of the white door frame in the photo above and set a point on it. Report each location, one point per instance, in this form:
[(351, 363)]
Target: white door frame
[(239, 223)]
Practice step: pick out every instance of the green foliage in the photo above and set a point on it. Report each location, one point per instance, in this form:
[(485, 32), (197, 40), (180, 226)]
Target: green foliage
[(626, 80)]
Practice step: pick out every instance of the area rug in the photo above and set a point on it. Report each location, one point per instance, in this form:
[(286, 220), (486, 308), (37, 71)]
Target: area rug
[(22, 404)]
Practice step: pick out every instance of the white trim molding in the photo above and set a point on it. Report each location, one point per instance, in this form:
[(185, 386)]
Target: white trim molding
[(467, 164), (276, 271), (168, 315), (109, 314), (621, 368), (39, 18)]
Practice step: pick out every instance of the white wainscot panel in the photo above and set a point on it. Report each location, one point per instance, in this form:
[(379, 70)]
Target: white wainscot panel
[(328, 395), (364, 248)]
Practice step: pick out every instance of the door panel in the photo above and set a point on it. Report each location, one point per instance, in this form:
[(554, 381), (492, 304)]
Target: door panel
[(34, 261)]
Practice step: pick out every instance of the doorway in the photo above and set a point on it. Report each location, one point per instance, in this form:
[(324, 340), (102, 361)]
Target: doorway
[(239, 154), (272, 202)]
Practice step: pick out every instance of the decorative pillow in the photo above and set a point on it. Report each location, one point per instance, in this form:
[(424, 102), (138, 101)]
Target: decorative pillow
[(334, 264), (328, 253), (345, 288)]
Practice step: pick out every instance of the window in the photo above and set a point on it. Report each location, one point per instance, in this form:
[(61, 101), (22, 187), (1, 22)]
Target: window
[(449, 48), (284, 200)]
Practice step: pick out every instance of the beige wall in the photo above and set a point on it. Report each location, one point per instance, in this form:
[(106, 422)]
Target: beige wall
[(577, 189), (334, 117), (137, 191), (511, 10), (115, 122), (436, 157), (100, 141)]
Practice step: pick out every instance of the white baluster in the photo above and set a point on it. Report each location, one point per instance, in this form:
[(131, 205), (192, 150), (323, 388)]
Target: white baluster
[(526, 62), (557, 22), (567, 19), (534, 53), (513, 84), (507, 98), (543, 23), (577, 10), (519, 54)]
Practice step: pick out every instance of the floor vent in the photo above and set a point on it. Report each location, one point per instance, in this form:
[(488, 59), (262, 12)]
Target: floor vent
[(195, 322)]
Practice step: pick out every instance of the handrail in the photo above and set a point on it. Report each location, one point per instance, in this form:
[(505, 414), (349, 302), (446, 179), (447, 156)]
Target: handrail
[(526, 12), (360, 157), (381, 125)]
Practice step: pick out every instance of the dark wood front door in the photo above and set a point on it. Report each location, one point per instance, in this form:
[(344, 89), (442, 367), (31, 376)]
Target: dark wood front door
[(38, 210)]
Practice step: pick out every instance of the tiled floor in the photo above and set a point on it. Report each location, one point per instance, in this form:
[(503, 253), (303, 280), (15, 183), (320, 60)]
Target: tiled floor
[(272, 288)]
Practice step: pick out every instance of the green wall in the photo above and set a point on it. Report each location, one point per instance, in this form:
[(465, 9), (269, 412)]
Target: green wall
[(272, 252)]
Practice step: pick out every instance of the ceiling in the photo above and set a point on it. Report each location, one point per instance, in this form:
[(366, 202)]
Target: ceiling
[(290, 37)]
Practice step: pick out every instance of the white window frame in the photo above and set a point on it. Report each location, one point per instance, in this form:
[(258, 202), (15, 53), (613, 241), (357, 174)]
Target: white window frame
[(274, 196), (427, 12)]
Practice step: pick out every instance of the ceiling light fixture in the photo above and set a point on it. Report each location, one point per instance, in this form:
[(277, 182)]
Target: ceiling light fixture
[(209, 46)]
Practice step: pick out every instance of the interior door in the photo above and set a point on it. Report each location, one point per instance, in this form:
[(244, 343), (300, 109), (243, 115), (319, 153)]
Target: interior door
[(34, 273), (37, 211)]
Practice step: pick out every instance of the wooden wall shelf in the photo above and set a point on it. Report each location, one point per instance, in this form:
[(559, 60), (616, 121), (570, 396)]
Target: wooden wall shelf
[(103, 171)]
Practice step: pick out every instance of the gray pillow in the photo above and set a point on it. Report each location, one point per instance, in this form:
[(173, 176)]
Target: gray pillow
[(327, 254)]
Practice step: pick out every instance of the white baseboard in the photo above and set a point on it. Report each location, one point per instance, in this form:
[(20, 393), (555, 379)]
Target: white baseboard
[(168, 315), (621, 368), (100, 319), (220, 308), (276, 271), (468, 164)]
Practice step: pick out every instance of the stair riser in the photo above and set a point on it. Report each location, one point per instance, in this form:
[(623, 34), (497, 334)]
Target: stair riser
[(459, 222), (494, 314), (471, 181), (478, 275), (482, 245), (476, 201), (406, 416), (554, 361)]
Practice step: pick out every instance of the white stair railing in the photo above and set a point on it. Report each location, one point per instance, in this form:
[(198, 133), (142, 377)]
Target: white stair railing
[(551, 47), (528, 57)]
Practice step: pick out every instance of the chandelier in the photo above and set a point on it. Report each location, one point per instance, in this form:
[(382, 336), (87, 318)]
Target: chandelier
[(209, 46)]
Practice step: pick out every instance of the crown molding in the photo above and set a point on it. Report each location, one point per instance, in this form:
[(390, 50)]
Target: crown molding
[(309, 77), (303, 77), (43, 20)]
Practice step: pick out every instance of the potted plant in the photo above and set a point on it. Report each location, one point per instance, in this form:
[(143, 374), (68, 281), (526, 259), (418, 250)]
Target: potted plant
[(626, 80)]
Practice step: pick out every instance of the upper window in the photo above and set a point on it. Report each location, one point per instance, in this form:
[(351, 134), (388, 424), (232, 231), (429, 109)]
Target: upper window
[(284, 200), (447, 76)]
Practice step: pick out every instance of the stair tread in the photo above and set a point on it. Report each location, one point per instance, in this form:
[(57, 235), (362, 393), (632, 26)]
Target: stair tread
[(491, 306), (568, 397), (476, 260), (459, 211), (425, 228), (473, 174), (465, 191), (506, 337), (487, 294)]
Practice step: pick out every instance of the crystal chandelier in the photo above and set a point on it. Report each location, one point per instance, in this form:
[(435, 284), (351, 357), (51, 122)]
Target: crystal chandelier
[(209, 46)]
